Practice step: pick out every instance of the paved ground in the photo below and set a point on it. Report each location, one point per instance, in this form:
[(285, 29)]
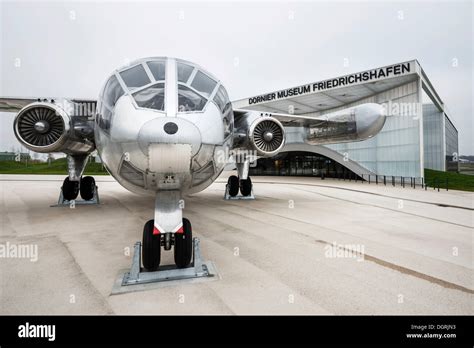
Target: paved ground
[(402, 251)]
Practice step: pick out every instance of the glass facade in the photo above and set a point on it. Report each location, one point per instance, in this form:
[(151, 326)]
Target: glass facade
[(452, 150), (396, 149), (299, 163), (414, 137), (433, 137)]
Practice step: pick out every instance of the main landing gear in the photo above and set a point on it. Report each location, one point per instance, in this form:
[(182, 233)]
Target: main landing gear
[(70, 190), (234, 185)]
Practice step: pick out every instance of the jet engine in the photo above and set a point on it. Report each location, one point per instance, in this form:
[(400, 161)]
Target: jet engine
[(47, 127), (266, 136)]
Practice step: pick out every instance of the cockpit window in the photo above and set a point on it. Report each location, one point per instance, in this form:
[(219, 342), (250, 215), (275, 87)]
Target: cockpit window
[(203, 83), (221, 98), (152, 97), (135, 77), (157, 69), (188, 100), (112, 91), (184, 71)]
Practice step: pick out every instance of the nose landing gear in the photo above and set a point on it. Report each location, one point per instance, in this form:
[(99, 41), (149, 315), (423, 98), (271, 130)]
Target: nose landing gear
[(152, 243), (187, 256)]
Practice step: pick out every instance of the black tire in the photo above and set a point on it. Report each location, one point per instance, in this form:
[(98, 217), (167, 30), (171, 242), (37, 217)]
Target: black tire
[(87, 188), (70, 189), (183, 245), (151, 247), (233, 184), (246, 187)]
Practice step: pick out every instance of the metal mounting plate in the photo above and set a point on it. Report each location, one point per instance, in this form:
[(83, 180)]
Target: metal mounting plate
[(228, 197), (136, 279), (65, 203)]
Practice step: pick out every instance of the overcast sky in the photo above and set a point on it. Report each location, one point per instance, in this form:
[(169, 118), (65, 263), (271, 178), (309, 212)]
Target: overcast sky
[(68, 49)]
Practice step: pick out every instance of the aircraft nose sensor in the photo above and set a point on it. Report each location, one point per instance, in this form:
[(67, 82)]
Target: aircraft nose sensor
[(170, 128)]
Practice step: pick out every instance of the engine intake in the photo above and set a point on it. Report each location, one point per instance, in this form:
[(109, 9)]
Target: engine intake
[(42, 127), (267, 136)]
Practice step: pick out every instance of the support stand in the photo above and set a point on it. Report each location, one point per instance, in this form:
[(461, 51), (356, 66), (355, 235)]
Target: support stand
[(197, 269), (228, 197), (62, 202)]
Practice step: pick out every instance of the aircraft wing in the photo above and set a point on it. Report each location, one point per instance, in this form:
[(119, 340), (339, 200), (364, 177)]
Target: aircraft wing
[(15, 104)]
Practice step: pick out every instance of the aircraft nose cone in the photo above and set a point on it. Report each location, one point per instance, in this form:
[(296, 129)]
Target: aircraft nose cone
[(162, 130)]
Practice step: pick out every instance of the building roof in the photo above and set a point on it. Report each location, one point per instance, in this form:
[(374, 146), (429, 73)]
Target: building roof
[(322, 96), (333, 93)]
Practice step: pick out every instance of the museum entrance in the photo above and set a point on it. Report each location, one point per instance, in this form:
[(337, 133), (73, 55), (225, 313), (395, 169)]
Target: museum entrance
[(299, 163)]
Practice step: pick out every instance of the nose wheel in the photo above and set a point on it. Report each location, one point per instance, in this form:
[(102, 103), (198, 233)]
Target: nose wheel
[(151, 249), (183, 245)]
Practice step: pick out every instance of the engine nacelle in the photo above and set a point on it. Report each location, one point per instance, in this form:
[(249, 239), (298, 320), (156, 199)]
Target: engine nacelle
[(266, 135), (46, 127)]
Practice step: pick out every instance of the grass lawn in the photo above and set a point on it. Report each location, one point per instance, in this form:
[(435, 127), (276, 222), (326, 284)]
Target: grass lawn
[(58, 166), (456, 181)]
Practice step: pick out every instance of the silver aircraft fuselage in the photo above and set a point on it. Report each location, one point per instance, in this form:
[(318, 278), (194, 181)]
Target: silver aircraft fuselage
[(163, 124)]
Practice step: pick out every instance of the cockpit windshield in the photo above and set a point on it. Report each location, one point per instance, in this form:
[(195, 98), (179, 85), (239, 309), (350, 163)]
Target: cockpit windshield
[(203, 84), (152, 97), (195, 87), (135, 77), (188, 100), (184, 72), (146, 81), (158, 69)]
